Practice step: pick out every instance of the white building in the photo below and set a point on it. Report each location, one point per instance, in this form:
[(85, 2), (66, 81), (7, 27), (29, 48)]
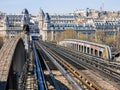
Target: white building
[(13, 24), (55, 24)]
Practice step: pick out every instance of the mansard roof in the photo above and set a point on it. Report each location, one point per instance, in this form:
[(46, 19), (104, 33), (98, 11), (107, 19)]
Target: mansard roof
[(70, 25)]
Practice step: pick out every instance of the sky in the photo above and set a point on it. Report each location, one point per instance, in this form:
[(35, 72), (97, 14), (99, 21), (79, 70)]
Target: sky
[(56, 6)]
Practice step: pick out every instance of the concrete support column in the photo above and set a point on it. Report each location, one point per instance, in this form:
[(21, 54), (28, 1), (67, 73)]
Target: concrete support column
[(86, 50), (45, 35), (93, 51), (55, 33), (98, 54), (52, 35), (89, 50)]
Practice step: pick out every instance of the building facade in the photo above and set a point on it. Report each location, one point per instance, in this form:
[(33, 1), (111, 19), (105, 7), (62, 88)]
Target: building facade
[(55, 24), (109, 26), (13, 24), (86, 21)]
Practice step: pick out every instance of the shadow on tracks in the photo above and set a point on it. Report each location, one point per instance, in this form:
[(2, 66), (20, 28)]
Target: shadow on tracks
[(61, 84)]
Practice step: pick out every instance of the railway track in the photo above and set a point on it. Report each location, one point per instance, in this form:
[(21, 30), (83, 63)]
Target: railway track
[(41, 78), (108, 63), (96, 64), (80, 78), (44, 59), (38, 71), (54, 78), (62, 70), (106, 71)]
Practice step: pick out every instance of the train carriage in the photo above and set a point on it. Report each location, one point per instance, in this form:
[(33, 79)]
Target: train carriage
[(98, 50)]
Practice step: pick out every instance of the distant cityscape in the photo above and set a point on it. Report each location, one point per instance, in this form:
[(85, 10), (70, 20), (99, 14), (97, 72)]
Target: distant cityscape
[(86, 21), (70, 51)]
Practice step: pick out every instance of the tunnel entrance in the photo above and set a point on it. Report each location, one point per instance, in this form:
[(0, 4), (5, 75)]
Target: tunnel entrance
[(18, 61)]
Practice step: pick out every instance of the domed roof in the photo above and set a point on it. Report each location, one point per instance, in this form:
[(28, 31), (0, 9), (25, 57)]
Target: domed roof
[(25, 11)]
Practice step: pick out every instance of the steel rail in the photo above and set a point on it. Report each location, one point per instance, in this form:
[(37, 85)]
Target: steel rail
[(41, 83), (65, 73), (101, 68), (108, 63), (90, 58), (50, 72), (91, 85)]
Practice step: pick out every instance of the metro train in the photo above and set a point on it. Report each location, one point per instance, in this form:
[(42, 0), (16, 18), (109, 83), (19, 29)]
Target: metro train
[(94, 49), (34, 36)]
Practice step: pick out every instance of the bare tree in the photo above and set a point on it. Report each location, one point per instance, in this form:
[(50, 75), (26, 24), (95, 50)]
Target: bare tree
[(82, 36), (100, 36), (110, 40), (117, 41), (68, 34)]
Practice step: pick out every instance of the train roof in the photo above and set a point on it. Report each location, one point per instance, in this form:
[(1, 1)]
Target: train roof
[(87, 42)]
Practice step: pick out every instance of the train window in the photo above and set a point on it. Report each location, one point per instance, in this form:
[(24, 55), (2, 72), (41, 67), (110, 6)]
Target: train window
[(91, 51), (75, 47), (79, 48), (96, 53), (100, 54), (82, 48), (85, 49), (88, 50)]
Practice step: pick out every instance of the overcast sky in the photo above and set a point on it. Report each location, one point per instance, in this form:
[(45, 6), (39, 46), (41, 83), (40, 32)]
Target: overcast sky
[(57, 6)]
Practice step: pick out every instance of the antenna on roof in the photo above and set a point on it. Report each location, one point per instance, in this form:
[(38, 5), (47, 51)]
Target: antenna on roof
[(102, 7)]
